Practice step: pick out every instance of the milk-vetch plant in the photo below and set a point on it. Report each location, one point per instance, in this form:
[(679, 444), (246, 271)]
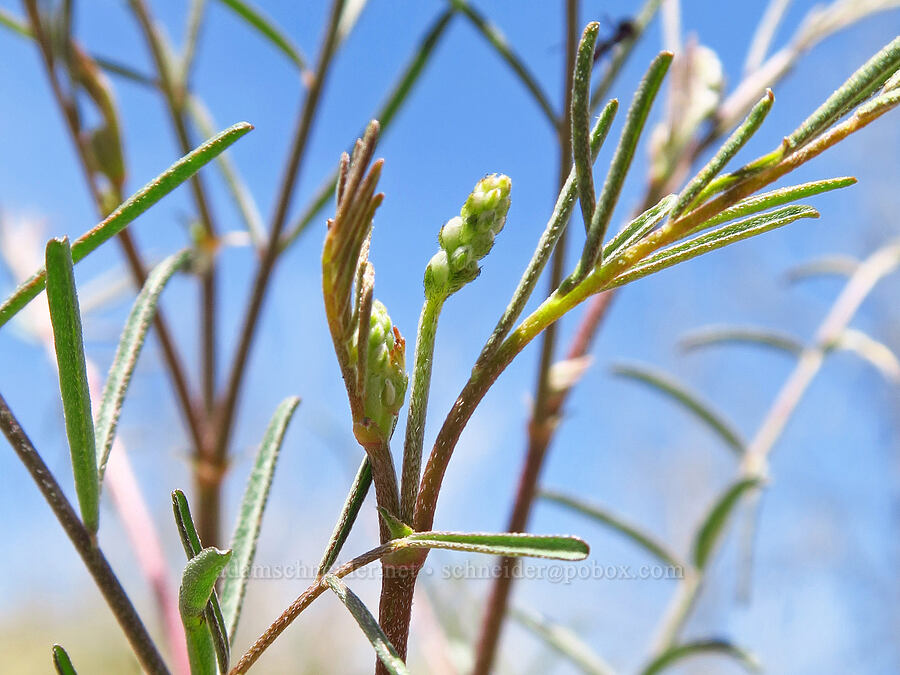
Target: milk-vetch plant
[(682, 218)]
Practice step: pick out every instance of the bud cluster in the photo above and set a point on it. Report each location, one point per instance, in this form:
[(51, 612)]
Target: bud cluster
[(386, 378), (468, 237)]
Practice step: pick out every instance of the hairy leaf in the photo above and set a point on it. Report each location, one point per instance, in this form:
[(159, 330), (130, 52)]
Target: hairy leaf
[(129, 349), (127, 212), (384, 650), (73, 383), (510, 544), (246, 533)]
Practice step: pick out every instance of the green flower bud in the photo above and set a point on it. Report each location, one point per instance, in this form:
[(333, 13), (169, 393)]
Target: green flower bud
[(386, 379), (467, 238), (437, 275)]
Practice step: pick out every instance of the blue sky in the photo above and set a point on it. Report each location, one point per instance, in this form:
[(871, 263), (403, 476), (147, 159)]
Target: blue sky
[(824, 583)]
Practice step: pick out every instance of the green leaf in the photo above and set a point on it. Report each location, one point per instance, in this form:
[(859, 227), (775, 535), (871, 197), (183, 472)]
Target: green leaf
[(623, 50), (246, 533), (639, 227), (563, 641), (700, 648), (130, 344), (687, 399), (581, 121), (557, 224), (190, 540), (509, 544), (868, 348), (715, 520), (240, 193), (267, 29), (635, 534), (711, 336), (729, 149), (197, 586), (396, 527), (353, 503), (128, 211), (868, 78), (757, 203), (384, 650), (73, 382), (716, 239), (62, 662), (619, 166)]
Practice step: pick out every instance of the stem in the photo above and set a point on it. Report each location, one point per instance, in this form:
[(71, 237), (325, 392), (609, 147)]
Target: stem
[(170, 354), (542, 420), (418, 405), (209, 494), (879, 264), (265, 640), (398, 585), (84, 543)]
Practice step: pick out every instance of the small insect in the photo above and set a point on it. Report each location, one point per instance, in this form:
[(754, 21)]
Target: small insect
[(624, 29)]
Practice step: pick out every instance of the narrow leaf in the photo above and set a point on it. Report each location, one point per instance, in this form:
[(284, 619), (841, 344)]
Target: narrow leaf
[(876, 353), (354, 502), (384, 650), (559, 219), (715, 520), (129, 349), (197, 586), (619, 166), (639, 227), (674, 390), (581, 121), (397, 528), (712, 336), (563, 641), (729, 149), (835, 265), (268, 30), (246, 533), (127, 212), (510, 544), (16, 25), (635, 534), (767, 200), (73, 384), (701, 648), (190, 540), (718, 238), (869, 77), (240, 193), (62, 662)]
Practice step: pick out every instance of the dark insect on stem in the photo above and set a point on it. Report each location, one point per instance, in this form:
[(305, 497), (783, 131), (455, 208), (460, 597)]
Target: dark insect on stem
[(622, 30)]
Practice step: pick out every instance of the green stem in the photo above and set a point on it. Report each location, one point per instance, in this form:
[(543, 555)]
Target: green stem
[(418, 405)]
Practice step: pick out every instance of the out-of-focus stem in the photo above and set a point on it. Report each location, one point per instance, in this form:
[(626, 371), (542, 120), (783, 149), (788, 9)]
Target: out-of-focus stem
[(84, 543), (209, 495), (754, 464), (542, 420), (172, 359)]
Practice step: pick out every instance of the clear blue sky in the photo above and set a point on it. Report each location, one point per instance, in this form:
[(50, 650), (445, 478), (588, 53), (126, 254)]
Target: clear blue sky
[(825, 590)]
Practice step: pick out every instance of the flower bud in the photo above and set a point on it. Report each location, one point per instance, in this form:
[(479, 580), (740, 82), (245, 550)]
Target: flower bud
[(467, 238), (386, 379)]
